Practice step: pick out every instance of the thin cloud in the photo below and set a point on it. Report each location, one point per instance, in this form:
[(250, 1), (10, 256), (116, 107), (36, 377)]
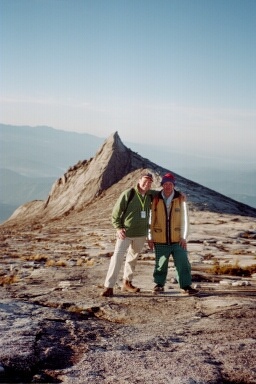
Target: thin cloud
[(45, 101)]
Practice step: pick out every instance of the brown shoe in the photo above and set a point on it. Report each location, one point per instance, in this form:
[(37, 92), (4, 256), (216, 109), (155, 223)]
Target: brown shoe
[(127, 286), (107, 292)]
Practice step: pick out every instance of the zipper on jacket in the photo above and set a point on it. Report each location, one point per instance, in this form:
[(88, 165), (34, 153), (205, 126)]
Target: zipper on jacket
[(167, 222)]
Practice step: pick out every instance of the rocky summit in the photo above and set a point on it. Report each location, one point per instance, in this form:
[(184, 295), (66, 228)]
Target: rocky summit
[(56, 328)]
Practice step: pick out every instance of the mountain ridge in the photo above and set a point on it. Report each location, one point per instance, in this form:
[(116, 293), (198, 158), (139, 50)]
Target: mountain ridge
[(113, 168), (43, 154), (30, 150)]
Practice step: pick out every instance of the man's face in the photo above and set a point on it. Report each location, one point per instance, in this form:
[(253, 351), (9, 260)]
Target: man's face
[(168, 187), (145, 184)]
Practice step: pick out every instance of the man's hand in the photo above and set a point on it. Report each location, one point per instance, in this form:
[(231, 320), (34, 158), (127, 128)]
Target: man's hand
[(183, 243), (121, 233), (151, 244)]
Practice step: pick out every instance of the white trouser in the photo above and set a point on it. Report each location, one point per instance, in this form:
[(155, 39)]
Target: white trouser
[(134, 246)]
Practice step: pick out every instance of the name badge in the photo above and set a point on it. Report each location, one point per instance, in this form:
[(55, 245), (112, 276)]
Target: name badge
[(143, 214)]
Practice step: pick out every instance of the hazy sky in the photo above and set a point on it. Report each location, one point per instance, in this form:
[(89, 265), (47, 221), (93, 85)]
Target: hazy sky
[(173, 72)]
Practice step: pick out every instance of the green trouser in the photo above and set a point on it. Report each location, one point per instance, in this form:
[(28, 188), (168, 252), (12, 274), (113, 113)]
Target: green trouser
[(181, 262)]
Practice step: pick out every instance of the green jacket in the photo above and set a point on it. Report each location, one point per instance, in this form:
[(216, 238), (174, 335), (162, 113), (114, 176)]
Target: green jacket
[(130, 216)]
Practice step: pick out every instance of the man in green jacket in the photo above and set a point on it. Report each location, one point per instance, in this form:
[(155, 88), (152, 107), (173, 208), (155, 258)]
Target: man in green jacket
[(169, 230), (130, 218)]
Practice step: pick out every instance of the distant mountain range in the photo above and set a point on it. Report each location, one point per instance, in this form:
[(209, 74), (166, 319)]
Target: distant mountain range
[(32, 158)]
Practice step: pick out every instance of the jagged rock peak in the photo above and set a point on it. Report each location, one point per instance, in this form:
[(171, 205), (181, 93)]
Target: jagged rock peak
[(113, 143)]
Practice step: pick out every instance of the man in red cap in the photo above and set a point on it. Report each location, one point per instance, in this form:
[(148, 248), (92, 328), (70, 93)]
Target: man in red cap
[(169, 230)]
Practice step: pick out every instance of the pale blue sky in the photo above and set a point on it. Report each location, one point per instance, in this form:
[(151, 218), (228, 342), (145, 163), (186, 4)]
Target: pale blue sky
[(164, 72)]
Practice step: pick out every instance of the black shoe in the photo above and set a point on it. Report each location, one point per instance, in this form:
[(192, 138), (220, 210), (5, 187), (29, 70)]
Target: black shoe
[(158, 288), (189, 291)]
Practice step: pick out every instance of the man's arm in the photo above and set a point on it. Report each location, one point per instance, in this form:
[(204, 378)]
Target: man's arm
[(118, 210), (184, 225)]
